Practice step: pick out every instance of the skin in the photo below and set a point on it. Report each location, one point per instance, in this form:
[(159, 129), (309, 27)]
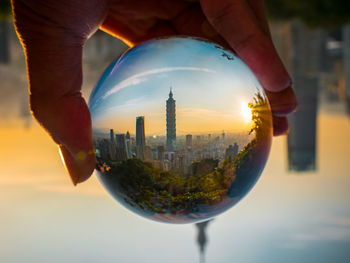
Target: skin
[(53, 34)]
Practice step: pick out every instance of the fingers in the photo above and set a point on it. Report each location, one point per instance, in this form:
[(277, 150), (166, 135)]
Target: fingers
[(52, 34), (282, 103), (244, 26), (236, 22), (258, 8), (139, 20), (192, 22), (280, 126), (112, 25), (239, 24), (55, 78)]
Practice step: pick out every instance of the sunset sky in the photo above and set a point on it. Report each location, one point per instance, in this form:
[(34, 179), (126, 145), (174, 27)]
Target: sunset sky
[(287, 217), (209, 89)]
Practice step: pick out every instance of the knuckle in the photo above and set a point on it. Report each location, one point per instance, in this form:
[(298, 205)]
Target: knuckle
[(40, 108), (222, 14), (45, 113), (245, 41)]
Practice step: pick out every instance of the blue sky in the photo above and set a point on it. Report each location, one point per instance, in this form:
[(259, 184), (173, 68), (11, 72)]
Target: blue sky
[(209, 89)]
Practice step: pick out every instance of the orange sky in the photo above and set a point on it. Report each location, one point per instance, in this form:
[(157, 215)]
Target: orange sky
[(30, 157), (188, 120)]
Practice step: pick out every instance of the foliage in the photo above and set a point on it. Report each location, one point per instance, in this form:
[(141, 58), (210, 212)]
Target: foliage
[(250, 160), (259, 110), (153, 190), (315, 13)]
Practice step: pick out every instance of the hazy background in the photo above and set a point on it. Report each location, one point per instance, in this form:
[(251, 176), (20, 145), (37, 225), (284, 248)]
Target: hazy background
[(299, 211)]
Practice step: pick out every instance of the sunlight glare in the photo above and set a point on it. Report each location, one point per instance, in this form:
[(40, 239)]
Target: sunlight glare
[(246, 112)]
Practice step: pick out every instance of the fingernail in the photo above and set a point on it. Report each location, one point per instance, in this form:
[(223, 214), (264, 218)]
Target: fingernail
[(296, 107), (79, 165), (280, 132), (286, 132), (280, 126), (283, 102)]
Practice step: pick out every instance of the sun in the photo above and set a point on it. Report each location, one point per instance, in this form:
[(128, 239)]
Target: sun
[(246, 112)]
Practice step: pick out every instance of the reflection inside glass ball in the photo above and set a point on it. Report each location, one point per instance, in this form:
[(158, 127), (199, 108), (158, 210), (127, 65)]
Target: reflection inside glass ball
[(181, 128)]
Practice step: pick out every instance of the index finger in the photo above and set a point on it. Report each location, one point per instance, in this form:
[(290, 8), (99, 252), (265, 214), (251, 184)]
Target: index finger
[(237, 23)]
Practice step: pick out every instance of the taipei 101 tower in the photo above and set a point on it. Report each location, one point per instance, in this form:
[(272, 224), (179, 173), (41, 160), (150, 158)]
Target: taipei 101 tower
[(170, 123)]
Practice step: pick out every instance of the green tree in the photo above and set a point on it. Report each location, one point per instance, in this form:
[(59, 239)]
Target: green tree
[(246, 166), (314, 13), (151, 190)]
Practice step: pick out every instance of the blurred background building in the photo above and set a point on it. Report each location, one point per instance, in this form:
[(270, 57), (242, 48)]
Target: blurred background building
[(313, 39)]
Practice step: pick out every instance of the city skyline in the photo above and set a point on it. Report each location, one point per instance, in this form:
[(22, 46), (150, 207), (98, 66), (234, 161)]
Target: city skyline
[(244, 123), (302, 230), (209, 98), (136, 145), (188, 180), (166, 152)]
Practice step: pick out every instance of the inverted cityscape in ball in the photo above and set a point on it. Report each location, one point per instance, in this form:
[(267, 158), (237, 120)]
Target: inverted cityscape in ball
[(181, 129)]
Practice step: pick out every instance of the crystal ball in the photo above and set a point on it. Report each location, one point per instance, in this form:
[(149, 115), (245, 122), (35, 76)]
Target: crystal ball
[(182, 129)]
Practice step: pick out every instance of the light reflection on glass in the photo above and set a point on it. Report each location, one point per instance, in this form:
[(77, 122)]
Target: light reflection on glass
[(183, 137)]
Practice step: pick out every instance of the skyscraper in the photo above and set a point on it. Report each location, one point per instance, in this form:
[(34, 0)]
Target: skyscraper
[(111, 136), (140, 137), (170, 123), (202, 239), (223, 136), (128, 144), (346, 61), (121, 147), (112, 145), (305, 65), (161, 153), (189, 141)]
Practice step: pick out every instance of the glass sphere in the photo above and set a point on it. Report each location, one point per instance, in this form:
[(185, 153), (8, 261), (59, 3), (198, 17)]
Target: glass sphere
[(181, 128)]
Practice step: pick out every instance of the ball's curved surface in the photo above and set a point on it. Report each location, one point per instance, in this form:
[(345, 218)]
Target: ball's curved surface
[(181, 128)]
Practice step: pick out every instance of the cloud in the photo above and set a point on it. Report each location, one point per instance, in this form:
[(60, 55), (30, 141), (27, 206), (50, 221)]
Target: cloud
[(324, 234), (331, 230), (127, 105), (339, 221), (141, 77)]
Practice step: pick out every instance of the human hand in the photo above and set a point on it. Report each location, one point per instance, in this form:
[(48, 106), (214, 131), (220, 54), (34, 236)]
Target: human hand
[(53, 34)]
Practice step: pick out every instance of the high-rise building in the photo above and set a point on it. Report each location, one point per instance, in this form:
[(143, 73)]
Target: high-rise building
[(128, 144), (111, 135), (161, 153), (346, 62), (180, 163), (223, 136), (121, 147), (189, 141), (148, 153), (198, 139), (305, 68), (140, 137), (202, 238), (170, 123), (103, 149), (112, 146)]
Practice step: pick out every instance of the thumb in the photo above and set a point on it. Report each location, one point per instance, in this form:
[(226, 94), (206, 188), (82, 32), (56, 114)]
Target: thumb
[(55, 78)]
